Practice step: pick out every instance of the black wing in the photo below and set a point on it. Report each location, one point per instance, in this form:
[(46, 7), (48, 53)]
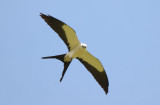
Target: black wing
[(95, 67), (66, 33)]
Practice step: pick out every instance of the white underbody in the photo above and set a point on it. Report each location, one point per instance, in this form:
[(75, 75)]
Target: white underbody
[(75, 52)]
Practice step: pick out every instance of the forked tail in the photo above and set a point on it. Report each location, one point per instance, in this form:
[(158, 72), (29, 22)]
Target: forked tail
[(61, 58)]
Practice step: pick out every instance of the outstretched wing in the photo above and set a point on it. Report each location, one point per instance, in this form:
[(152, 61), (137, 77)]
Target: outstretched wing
[(95, 67), (66, 33)]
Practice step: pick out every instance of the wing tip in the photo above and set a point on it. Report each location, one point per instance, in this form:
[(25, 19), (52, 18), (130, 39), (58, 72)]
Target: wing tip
[(106, 91), (47, 18), (43, 15), (50, 19), (104, 87)]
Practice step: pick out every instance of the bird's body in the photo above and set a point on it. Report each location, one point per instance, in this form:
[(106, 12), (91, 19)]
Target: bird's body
[(76, 50)]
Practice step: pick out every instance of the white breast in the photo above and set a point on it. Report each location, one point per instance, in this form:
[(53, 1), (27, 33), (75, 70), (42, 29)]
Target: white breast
[(76, 51)]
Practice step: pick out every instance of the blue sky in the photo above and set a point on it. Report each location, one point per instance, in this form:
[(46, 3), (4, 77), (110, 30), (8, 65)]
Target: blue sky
[(123, 34)]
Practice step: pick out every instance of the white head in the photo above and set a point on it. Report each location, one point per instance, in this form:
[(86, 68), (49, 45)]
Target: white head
[(84, 46)]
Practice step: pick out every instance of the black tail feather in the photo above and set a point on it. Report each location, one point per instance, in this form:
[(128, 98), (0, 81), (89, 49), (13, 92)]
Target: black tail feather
[(61, 58), (66, 64)]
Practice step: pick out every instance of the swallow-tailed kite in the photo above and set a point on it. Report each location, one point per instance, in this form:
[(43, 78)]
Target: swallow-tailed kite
[(76, 50)]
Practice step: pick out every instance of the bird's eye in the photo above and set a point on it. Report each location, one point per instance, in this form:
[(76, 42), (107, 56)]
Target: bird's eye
[(84, 46)]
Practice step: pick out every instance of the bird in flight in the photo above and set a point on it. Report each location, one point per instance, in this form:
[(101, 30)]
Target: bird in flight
[(76, 49)]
